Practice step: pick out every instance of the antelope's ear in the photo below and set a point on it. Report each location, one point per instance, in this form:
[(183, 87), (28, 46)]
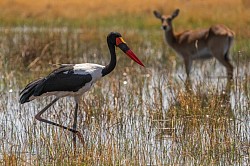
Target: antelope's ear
[(157, 14), (175, 13)]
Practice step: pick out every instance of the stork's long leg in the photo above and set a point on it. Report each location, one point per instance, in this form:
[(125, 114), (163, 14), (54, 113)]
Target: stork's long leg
[(38, 117), (74, 125), (75, 132)]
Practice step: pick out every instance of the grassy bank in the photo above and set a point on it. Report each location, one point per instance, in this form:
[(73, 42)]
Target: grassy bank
[(195, 13)]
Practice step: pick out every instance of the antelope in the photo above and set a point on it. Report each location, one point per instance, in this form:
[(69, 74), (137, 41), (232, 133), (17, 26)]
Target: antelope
[(214, 41)]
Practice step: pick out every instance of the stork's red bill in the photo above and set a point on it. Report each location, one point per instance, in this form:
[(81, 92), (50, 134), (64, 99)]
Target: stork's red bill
[(123, 46)]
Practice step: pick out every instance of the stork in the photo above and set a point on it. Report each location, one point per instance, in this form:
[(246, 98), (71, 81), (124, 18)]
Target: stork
[(74, 80)]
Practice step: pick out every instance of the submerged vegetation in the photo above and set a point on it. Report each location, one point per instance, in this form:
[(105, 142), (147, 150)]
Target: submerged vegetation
[(134, 116)]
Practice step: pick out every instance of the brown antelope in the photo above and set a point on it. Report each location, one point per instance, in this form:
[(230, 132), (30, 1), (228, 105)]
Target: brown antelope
[(199, 44)]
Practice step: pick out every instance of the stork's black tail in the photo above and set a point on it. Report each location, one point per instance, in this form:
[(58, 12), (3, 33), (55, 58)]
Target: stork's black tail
[(28, 91)]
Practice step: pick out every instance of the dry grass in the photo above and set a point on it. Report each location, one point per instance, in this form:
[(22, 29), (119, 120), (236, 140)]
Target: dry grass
[(149, 121), (195, 13)]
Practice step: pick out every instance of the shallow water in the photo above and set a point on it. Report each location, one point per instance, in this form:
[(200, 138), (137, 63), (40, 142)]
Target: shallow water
[(133, 116)]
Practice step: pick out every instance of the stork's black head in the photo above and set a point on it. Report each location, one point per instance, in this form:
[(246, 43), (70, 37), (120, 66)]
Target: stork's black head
[(115, 39), (111, 38)]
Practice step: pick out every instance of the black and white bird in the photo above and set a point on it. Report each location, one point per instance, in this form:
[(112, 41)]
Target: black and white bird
[(74, 80)]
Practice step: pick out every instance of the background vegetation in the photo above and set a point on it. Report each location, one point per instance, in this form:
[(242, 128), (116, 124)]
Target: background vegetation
[(125, 14)]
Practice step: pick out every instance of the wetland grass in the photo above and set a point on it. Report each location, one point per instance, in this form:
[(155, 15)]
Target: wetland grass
[(141, 117)]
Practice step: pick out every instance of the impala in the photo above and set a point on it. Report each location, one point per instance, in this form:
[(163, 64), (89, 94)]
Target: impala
[(214, 41)]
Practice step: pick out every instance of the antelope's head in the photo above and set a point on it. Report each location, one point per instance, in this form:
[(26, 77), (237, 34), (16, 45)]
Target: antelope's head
[(166, 20)]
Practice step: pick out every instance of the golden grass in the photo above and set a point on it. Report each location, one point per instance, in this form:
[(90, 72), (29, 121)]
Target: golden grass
[(97, 8), (234, 13)]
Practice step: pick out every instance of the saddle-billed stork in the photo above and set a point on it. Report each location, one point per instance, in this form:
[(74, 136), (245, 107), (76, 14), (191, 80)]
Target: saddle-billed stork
[(74, 80)]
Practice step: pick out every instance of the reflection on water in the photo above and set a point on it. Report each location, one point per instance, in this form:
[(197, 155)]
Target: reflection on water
[(148, 116)]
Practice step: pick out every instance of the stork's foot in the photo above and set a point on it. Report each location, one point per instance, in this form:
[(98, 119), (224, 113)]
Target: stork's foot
[(80, 137)]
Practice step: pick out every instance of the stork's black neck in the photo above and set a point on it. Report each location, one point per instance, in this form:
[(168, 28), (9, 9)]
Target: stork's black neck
[(110, 67)]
